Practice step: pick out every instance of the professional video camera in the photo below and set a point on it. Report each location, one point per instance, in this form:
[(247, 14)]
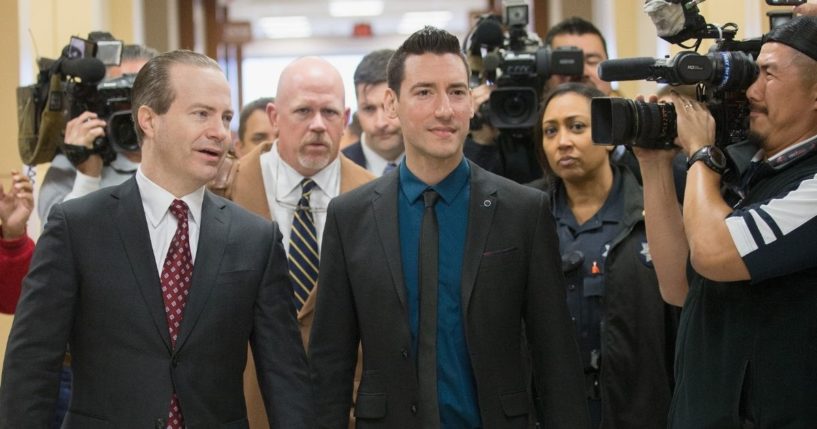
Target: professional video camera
[(66, 87), (722, 77), (517, 64)]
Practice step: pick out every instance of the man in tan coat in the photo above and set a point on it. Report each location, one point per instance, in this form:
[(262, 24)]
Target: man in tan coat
[(292, 179)]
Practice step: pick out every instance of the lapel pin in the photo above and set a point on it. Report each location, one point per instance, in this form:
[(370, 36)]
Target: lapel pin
[(486, 203)]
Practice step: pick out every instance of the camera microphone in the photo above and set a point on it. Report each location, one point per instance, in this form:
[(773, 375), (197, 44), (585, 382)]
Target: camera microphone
[(487, 34), (89, 70), (639, 68)]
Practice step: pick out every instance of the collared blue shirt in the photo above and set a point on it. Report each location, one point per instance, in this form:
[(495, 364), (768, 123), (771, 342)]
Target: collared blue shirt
[(456, 388)]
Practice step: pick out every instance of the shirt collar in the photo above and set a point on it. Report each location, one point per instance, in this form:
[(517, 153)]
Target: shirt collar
[(611, 211), (156, 200), (784, 157), (287, 179), (448, 188), (375, 162)]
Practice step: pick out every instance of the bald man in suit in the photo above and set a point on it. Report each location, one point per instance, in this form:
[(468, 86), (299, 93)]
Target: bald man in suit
[(309, 115)]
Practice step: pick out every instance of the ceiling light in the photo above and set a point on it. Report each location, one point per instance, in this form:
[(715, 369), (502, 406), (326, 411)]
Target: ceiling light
[(284, 27), (413, 21), (348, 8)]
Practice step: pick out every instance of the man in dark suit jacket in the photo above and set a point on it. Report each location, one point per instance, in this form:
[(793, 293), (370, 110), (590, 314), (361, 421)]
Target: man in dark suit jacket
[(380, 147), (95, 284), (500, 298)]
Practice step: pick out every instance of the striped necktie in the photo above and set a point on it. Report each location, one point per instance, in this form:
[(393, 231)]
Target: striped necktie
[(303, 247)]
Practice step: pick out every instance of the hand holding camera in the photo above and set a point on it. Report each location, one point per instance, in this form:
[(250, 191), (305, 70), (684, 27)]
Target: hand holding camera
[(82, 131)]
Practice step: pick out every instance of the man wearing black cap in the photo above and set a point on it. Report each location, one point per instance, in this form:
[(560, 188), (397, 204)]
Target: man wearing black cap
[(747, 349)]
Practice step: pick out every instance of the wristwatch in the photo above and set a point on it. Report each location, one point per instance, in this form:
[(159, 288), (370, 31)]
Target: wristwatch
[(711, 156)]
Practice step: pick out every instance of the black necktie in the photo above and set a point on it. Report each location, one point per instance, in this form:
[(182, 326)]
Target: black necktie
[(427, 343)]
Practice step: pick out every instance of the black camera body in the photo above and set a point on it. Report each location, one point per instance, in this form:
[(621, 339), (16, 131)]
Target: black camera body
[(722, 77), (111, 101), (515, 99), (66, 87), (517, 65)]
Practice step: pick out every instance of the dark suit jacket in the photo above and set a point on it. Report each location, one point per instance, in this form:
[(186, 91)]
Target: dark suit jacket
[(94, 285), (355, 152), (511, 277)]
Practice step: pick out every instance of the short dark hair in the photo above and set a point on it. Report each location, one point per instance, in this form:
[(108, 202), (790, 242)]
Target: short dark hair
[(577, 26), (152, 86), (427, 40), (248, 110), (372, 68), (585, 91)]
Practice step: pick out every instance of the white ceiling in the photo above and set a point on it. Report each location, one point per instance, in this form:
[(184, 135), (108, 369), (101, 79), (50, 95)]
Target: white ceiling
[(324, 25)]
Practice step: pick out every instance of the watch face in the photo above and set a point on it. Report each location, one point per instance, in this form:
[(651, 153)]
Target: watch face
[(717, 157)]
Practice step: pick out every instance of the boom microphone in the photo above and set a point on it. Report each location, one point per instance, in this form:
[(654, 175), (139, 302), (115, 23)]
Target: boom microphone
[(639, 68), (89, 70)]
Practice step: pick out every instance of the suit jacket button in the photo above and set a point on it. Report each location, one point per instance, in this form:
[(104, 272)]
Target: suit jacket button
[(174, 362), (404, 353), (160, 424), (413, 409)]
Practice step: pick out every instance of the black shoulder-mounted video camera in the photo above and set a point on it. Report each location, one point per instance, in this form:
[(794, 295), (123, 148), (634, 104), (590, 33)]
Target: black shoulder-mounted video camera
[(517, 64), (68, 86), (722, 77)]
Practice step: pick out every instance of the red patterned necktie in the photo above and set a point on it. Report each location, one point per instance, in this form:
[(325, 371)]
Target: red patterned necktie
[(176, 274)]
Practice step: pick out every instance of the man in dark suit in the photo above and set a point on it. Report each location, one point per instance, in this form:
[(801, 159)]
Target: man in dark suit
[(380, 147), (450, 322), (157, 285)]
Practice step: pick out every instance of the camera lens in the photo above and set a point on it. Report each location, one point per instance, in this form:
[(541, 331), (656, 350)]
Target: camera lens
[(632, 123), (121, 132), (656, 124), (513, 108)]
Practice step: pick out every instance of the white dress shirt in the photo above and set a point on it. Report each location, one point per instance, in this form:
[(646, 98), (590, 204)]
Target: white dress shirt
[(161, 223), (375, 163), (282, 185)]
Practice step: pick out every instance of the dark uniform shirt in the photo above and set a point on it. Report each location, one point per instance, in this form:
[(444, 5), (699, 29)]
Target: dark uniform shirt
[(584, 253)]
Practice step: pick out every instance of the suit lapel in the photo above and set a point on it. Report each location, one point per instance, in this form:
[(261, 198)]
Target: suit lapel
[(215, 222), (481, 208), (130, 219), (384, 206)]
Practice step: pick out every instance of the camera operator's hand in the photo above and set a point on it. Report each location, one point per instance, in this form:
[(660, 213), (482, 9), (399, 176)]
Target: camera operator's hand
[(82, 131), (481, 94), (695, 125), (16, 205), (809, 9), (487, 134), (663, 220)]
